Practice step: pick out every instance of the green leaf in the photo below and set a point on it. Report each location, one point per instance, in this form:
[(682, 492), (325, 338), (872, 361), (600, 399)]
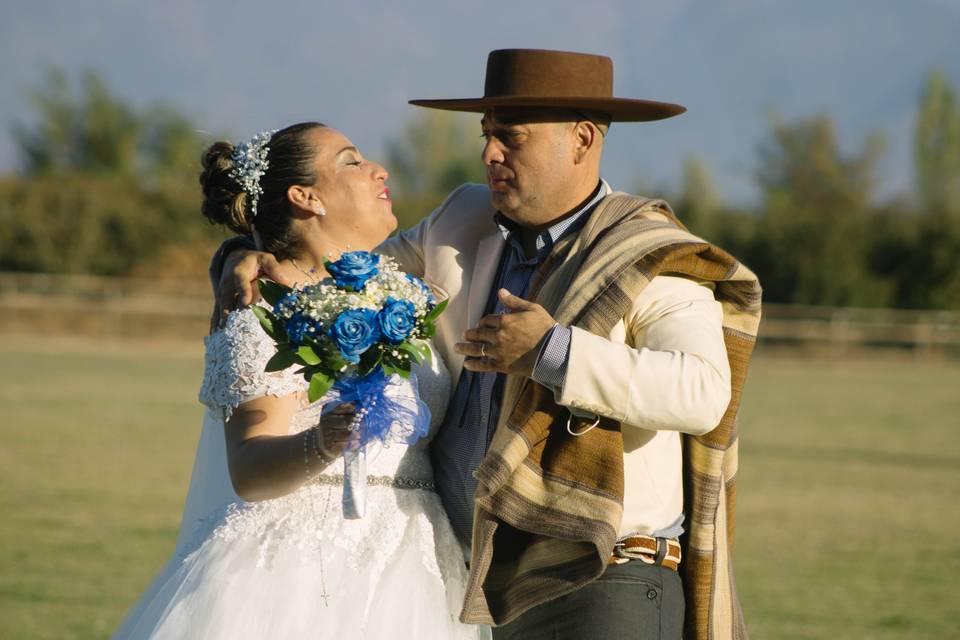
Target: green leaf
[(434, 313), (271, 291), (400, 363), (281, 360), (419, 350), (369, 360), (329, 354), (320, 383), (428, 330), (308, 356), (270, 323), (399, 367)]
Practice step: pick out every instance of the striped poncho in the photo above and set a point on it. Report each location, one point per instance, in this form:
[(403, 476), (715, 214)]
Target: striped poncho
[(548, 505)]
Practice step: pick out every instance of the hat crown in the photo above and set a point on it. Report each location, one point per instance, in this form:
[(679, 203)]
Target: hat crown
[(537, 72), (540, 78)]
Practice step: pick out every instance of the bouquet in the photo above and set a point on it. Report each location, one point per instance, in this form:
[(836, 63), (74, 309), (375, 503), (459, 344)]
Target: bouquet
[(355, 335)]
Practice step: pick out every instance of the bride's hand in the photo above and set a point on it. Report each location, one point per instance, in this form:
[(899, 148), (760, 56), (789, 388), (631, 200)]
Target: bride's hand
[(334, 434)]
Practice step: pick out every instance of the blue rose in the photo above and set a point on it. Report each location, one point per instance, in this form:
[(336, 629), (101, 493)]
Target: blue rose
[(354, 331), (299, 328), (354, 268), (396, 320)]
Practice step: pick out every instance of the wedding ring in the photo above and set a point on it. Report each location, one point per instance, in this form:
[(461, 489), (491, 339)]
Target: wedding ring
[(483, 345)]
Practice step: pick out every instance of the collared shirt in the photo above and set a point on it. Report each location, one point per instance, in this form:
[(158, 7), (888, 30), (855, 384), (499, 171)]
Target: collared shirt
[(471, 419)]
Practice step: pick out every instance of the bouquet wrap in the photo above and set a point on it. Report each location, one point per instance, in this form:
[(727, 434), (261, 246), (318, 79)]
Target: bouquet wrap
[(388, 410)]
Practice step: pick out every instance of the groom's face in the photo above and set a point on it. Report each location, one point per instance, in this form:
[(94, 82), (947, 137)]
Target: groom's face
[(529, 157)]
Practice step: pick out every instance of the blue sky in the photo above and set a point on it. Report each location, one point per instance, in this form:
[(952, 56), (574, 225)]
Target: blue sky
[(239, 69)]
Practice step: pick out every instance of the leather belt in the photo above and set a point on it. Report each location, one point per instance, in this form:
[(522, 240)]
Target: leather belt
[(664, 552)]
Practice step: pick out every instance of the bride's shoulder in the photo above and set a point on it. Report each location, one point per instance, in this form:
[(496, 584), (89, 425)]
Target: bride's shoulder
[(241, 327), (235, 363)]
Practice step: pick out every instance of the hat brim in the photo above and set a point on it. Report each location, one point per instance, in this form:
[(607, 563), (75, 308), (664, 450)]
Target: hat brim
[(619, 109)]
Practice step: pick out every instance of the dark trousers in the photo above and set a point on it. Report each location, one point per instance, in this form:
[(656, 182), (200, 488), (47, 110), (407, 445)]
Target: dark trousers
[(631, 601)]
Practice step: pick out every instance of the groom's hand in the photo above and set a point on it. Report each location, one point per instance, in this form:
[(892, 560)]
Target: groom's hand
[(507, 343), (237, 287)]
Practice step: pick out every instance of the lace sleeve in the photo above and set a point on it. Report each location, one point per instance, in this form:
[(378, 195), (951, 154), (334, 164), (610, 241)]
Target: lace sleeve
[(234, 366)]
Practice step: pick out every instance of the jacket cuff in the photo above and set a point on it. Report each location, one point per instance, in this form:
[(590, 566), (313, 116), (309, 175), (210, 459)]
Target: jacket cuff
[(220, 256)]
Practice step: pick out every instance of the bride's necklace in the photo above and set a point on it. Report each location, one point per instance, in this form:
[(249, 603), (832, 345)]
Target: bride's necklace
[(311, 274)]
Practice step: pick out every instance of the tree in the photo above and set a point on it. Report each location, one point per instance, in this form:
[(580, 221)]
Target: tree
[(937, 148), (699, 199), (919, 253), (92, 132), (435, 153), (810, 247), (107, 188)]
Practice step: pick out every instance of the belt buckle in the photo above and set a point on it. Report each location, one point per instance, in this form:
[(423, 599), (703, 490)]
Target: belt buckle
[(644, 556)]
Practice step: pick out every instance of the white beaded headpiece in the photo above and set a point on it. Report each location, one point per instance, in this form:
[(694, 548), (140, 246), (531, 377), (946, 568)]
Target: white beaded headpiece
[(251, 163)]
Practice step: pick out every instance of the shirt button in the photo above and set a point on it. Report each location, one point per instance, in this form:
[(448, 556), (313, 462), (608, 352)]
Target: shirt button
[(652, 594)]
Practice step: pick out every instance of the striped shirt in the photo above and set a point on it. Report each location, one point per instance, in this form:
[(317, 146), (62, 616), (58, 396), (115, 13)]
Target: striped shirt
[(471, 419)]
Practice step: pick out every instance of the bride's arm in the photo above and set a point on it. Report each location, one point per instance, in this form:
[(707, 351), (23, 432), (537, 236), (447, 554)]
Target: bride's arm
[(265, 461)]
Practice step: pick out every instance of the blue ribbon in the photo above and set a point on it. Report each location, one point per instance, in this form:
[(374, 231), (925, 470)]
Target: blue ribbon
[(392, 411)]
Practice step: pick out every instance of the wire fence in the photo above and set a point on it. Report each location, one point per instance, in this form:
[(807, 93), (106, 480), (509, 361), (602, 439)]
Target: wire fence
[(131, 308)]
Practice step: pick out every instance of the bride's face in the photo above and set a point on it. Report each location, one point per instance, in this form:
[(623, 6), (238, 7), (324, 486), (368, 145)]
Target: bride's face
[(353, 191)]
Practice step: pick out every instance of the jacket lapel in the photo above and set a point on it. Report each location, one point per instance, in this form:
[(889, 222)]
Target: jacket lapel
[(481, 279), (478, 283)]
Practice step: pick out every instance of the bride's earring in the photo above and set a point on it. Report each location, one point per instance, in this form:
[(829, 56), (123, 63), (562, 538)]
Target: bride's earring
[(319, 210)]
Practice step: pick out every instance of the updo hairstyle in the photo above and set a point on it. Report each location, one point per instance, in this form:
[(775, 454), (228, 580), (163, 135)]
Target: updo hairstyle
[(291, 162)]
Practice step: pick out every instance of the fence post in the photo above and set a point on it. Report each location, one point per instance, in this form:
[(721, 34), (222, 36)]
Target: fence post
[(839, 333)]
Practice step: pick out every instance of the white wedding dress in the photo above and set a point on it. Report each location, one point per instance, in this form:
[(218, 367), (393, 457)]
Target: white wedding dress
[(293, 567)]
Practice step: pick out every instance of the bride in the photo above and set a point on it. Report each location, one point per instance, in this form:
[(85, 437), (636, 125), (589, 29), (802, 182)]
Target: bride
[(263, 550)]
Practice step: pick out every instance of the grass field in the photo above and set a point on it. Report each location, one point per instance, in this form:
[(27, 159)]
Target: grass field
[(847, 506)]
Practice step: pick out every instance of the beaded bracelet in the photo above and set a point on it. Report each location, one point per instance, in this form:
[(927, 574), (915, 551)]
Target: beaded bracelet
[(320, 450), (306, 456)]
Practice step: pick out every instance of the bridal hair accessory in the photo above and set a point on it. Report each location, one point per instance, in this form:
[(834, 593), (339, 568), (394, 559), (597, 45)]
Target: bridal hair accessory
[(250, 160)]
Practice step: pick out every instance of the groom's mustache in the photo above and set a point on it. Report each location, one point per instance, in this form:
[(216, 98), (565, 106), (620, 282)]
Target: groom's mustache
[(499, 175)]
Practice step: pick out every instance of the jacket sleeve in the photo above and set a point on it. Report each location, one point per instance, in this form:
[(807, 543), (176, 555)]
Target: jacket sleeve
[(408, 246), (669, 372), (219, 257)]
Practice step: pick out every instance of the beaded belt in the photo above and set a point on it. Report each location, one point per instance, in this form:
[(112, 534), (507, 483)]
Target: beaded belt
[(664, 552), (397, 482)]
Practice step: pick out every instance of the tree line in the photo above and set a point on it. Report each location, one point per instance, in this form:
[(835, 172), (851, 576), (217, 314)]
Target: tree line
[(111, 189)]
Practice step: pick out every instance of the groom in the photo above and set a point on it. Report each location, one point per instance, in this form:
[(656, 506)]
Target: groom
[(586, 332)]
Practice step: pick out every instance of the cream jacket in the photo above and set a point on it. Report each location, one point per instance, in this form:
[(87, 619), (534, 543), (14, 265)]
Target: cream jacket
[(662, 370)]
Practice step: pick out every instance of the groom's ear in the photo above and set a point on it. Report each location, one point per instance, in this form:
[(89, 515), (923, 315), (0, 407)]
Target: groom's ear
[(587, 137)]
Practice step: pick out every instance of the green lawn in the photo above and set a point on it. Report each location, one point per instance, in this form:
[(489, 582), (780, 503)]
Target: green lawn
[(847, 519)]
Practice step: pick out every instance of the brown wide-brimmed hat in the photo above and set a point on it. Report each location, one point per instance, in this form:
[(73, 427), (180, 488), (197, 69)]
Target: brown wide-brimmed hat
[(542, 78)]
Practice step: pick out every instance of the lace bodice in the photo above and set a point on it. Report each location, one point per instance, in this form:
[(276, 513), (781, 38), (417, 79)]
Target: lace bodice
[(234, 373)]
